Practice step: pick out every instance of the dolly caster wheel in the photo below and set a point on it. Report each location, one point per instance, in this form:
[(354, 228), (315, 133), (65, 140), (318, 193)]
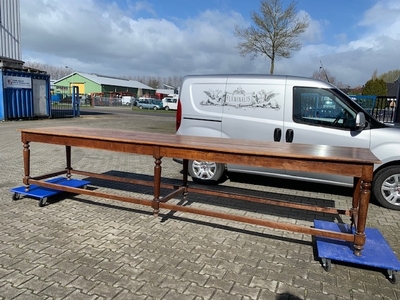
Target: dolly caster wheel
[(326, 264), (16, 196), (392, 275), (43, 202)]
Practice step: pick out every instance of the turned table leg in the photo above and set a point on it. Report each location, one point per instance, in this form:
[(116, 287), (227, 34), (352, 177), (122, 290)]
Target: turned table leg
[(356, 201), (157, 182), (359, 238), (185, 177), (68, 160), (26, 154)]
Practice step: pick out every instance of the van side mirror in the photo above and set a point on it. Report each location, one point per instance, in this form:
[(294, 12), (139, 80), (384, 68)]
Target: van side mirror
[(360, 121)]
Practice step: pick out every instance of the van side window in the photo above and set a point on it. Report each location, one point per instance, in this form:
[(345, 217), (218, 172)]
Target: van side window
[(321, 107)]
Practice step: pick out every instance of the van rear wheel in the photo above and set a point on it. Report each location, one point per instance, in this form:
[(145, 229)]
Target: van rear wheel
[(386, 187), (206, 172)]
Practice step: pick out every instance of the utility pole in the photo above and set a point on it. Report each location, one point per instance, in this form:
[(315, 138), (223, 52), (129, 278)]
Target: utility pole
[(396, 118), (323, 69)]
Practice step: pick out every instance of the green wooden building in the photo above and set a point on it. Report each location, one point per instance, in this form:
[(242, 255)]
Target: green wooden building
[(94, 84)]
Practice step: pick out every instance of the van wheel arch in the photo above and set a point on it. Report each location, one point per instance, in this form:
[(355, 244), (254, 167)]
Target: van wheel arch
[(206, 172), (386, 186)]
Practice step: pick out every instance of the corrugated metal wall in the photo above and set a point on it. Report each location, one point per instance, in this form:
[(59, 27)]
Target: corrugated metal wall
[(22, 102), (10, 29)]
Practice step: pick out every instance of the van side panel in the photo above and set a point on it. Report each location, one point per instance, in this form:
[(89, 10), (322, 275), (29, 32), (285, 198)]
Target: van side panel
[(253, 108), (202, 104)]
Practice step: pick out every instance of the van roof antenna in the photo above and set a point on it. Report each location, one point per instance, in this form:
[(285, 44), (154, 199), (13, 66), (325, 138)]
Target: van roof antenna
[(323, 69)]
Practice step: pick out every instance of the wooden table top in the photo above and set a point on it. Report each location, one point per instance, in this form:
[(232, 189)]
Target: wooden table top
[(231, 146)]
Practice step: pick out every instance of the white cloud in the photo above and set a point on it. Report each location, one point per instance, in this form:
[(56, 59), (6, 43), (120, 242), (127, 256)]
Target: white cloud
[(353, 62), (93, 36), (382, 16), (141, 6), (315, 28)]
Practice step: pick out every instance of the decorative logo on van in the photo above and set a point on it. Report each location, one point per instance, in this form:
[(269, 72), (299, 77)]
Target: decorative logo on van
[(239, 98)]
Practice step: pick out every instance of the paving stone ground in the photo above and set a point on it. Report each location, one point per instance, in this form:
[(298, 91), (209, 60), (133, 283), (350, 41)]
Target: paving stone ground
[(82, 247)]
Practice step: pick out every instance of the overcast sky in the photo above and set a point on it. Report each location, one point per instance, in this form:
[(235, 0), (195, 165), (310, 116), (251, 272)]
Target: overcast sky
[(180, 37)]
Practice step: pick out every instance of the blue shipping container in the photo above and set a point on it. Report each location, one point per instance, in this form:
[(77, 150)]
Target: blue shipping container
[(24, 95), (56, 97)]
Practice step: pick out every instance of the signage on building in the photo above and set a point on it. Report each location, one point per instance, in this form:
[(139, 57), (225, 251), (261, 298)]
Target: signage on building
[(15, 82)]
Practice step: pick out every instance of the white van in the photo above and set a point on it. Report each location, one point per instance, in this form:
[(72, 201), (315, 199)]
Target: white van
[(170, 103), (127, 100), (286, 109)]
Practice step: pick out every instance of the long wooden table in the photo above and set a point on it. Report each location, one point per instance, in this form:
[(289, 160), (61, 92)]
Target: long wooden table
[(355, 162)]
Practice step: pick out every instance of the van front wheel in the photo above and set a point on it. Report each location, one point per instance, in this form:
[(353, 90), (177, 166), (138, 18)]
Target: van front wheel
[(386, 187), (206, 172)]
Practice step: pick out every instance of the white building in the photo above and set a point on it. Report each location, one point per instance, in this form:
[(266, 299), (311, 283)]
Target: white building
[(10, 30)]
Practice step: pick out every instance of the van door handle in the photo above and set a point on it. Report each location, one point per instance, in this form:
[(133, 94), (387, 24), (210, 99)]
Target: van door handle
[(289, 135), (277, 134)]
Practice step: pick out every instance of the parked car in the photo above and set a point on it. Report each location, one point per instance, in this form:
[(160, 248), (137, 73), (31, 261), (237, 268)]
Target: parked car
[(127, 100), (286, 109), (170, 103), (150, 103)]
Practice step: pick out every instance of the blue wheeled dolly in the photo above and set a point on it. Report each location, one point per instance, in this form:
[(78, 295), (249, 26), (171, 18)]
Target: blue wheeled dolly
[(42, 193), (376, 253)]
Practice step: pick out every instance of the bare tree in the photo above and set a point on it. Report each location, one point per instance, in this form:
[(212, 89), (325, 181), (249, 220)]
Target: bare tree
[(374, 74), (324, 75), (275, 32), (153, 82), (54, 72), (390, 76)]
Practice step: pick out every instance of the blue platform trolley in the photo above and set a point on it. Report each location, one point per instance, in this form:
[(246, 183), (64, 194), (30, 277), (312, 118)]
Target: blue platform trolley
[(376, 253), (43, 193)]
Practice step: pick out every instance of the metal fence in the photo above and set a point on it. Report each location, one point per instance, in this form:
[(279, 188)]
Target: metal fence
[(61, 106), (105, 101), (385, 109), (382, 108), (64, 106)]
